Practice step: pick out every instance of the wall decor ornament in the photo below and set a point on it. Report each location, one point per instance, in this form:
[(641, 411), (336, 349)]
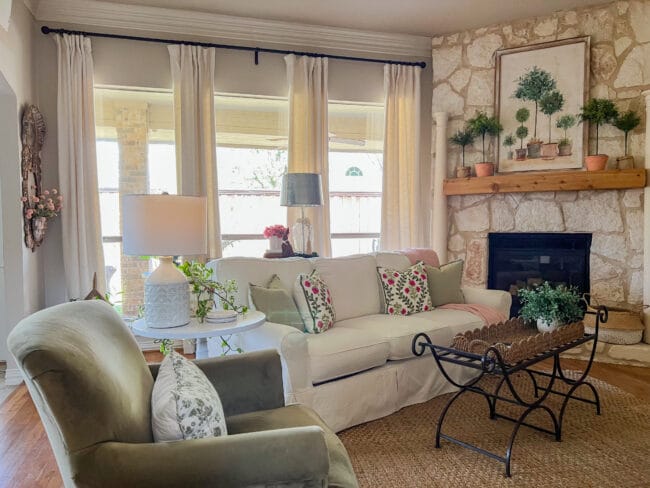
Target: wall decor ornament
[(548, 81), (32, 138)]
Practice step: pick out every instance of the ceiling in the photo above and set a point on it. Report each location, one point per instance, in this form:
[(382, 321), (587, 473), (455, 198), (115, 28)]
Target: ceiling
[(417, 17)]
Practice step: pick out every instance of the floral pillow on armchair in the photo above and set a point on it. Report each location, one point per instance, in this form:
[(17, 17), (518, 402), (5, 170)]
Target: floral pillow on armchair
[(405, 292), (314, 301)]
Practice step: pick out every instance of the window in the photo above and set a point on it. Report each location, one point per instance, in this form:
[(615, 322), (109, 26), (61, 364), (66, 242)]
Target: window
[(355, 176), (251, 159), (135, 154)]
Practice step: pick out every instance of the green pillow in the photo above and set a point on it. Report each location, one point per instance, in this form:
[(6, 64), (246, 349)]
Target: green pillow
[(444, 283), (276, 303)]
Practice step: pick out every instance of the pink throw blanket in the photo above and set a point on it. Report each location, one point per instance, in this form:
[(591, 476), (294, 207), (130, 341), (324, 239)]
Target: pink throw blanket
[(417, 254), (489, 315)]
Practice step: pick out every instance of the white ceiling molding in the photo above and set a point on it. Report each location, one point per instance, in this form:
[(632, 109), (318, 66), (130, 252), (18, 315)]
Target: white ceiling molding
[(87, 13)]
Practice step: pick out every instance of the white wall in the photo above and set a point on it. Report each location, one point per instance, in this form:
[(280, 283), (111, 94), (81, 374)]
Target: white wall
[(21, 273)]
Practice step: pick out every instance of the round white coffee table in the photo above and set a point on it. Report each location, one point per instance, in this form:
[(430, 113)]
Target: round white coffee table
[(201, 331)]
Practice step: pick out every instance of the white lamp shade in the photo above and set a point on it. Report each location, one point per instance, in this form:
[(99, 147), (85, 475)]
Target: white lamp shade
[(163, 225)]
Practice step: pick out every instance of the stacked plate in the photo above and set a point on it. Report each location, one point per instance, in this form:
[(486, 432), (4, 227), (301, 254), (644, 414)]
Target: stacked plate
[(221, 316)]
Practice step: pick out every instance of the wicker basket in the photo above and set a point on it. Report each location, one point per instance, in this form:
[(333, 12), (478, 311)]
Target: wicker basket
[(515, 341), (622, 326)]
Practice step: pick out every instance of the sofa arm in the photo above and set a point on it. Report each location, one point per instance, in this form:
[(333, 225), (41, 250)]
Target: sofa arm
[(294, 456), (245, 382), (292, 346), (498, 299)]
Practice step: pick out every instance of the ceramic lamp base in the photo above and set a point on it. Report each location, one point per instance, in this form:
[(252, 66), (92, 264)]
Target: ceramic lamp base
[(166, 297)]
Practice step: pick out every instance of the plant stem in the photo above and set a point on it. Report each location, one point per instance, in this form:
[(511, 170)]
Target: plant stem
[(483, 138), (463, 156), (535, 131), (597, 126), (626, 143)]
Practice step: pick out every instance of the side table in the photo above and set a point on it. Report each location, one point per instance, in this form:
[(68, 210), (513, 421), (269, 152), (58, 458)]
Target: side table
[(201, 331)]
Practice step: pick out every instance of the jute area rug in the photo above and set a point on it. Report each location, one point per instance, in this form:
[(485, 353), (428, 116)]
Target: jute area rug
[(607, 450)]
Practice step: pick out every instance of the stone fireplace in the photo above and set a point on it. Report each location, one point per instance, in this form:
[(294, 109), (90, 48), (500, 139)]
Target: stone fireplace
[(523, 260)]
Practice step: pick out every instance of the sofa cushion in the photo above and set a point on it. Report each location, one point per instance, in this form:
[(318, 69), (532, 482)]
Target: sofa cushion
[(274, 301), (341, 352), (258, 270), (314, 301), (353, 283), (405, 292), (440, 325), (395, 260), (341, 473), (445, 283)]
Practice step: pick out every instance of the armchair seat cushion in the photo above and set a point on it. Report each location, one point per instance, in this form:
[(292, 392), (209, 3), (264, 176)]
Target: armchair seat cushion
[(341, 474), (342, 352)]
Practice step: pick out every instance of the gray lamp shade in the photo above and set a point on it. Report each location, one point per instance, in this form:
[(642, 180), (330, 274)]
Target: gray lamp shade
[(301, 190)]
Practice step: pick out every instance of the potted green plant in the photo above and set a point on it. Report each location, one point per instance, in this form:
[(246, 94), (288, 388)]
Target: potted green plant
[(462, 139), (565, 123), (627, 122), (598, 111), (550, 307), (521, 116), (550, 104), (482, 125), (532, 87), (509, 141)]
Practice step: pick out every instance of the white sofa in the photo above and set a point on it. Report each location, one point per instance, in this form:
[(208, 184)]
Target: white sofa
[(362, 368)]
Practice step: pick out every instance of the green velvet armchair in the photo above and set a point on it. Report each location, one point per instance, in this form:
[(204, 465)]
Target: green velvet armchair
[(92, 388)]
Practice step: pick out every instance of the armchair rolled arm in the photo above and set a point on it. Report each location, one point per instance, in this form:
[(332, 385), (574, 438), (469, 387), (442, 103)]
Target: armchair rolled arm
[(245, 382), (498, 299), (284, 456)]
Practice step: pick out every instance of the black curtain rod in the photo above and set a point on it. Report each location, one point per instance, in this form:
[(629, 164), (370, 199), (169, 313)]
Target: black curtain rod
[(256, 50)]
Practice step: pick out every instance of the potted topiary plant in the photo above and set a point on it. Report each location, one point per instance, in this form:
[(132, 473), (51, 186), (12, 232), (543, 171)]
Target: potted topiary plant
[(550, 104), (522, 116), (462, 139), (550, 307), (565, 123), (509, 141), (482, 125), (627, 122), (532, 86), (598, 111)]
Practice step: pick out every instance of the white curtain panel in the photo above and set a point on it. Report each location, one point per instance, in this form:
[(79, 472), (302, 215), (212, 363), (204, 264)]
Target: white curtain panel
[(401, 209), (82, 241), (195, 126), (309, 139)]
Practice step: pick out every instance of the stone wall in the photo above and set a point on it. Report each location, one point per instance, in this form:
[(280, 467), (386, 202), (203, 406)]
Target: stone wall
[(463, 82)]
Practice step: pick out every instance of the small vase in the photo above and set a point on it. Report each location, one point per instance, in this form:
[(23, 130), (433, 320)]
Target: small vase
[(39, 227), (484, 169), (463, 172), (534, 150), (275, 245), (597, 162), (544, 326), (625, 162), (564, 149), (510, 154), (549, 150), (521, 154)]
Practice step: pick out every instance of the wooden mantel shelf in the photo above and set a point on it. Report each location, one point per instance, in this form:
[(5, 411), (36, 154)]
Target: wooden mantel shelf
[(547, 181)]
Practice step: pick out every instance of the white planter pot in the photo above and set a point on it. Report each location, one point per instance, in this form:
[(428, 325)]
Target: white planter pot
[(544, 326), (275, 244)]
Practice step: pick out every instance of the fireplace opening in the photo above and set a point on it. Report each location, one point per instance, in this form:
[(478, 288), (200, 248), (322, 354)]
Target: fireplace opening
[(523, 260)]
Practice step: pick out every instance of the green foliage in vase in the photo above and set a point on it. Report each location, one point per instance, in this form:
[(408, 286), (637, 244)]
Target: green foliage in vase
[(482, 125), (550, 104), (522, 115), (598, 111), (521, 133), (560, 303), (627, 122), (462, 138), (509, 140), (565, 123), (532, 87), (207, 290)]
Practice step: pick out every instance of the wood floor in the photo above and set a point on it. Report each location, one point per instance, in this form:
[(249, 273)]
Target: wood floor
[(26, 459)]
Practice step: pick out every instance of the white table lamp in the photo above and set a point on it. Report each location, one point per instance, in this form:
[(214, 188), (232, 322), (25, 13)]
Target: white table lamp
[(164, 226), (301, 190)]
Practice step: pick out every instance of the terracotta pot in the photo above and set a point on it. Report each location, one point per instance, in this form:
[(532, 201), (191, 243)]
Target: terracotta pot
[(597, 162), (484, 169), (463, 172), (564, 149), (521, 154), (534, 150), (625, 162), (549, 150)]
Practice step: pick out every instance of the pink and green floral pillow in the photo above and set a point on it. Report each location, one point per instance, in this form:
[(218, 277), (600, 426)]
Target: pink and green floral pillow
[(314, 301), (405, 292)]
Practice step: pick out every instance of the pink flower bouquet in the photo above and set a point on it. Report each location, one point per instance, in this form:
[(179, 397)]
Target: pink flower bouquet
[(48, 204), (278, 230)]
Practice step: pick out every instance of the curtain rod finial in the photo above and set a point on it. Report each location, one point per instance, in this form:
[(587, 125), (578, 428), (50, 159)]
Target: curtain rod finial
[(45, 29)]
